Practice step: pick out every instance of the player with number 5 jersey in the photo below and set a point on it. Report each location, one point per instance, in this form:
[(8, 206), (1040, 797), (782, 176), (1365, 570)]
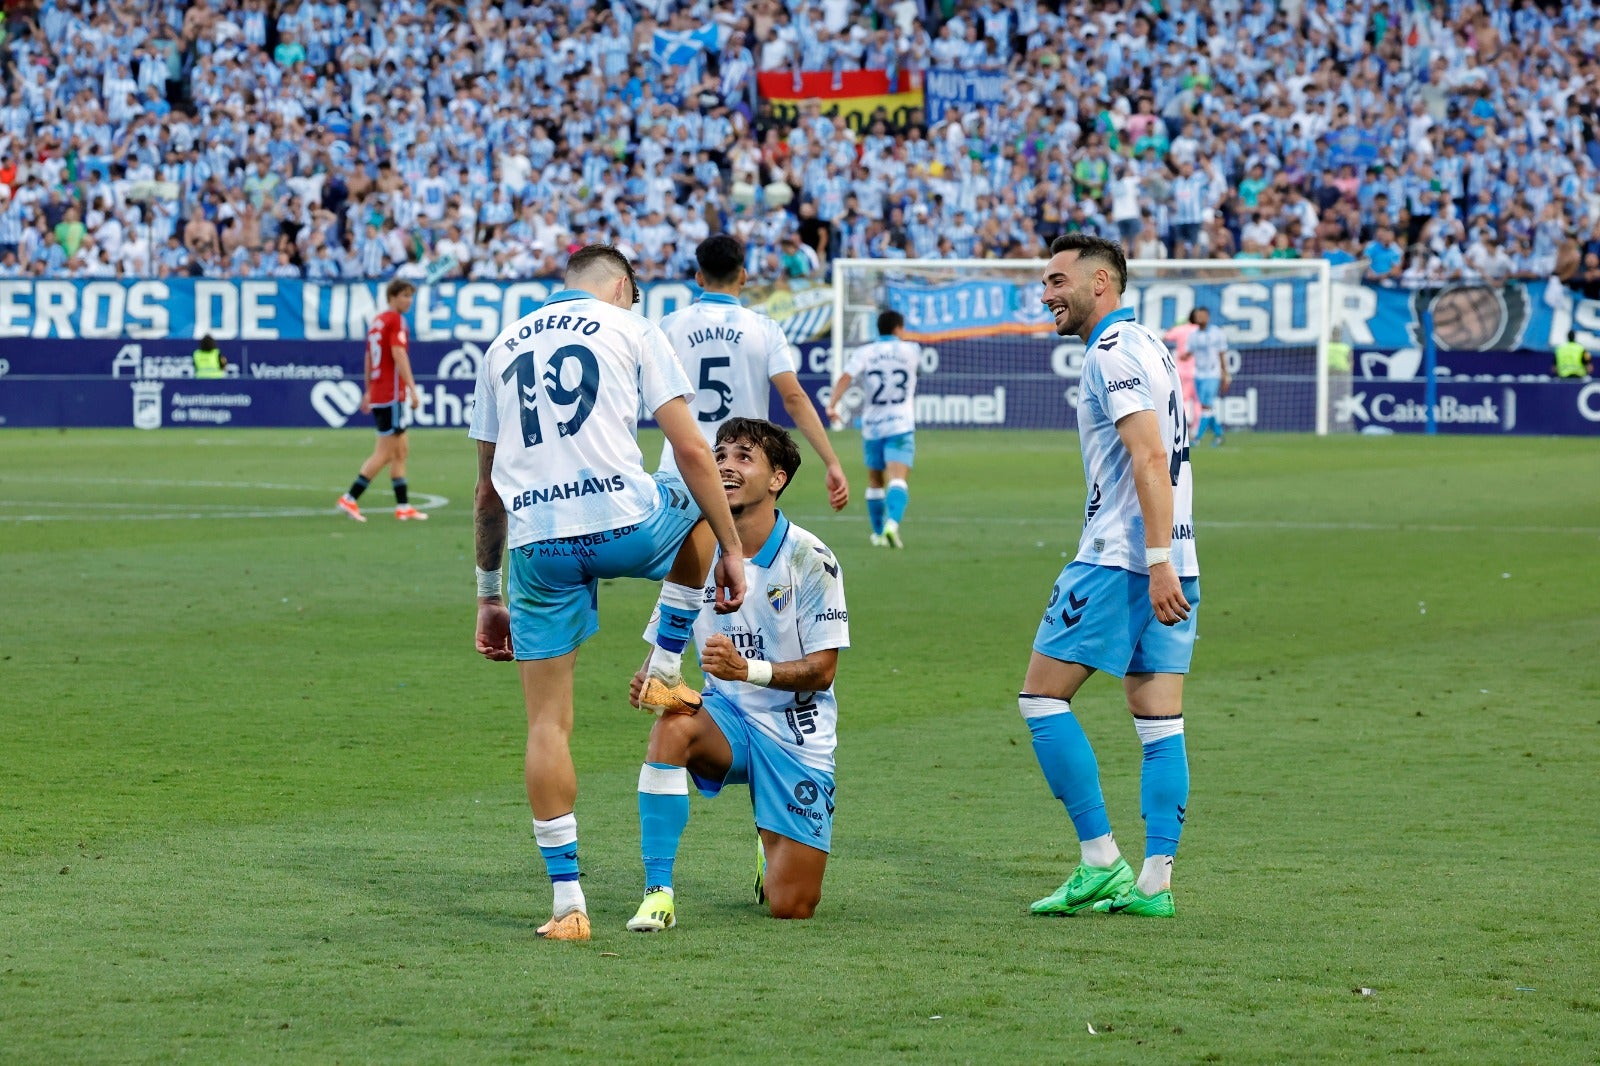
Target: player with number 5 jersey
[(1126, 603), (886, 369), (562, 484), (735, 356)]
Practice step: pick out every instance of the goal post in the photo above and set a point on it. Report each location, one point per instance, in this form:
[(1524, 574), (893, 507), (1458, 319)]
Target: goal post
[(991, 356)]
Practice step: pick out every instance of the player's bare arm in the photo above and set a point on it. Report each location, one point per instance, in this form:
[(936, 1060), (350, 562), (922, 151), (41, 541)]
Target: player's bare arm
[(493, 637), (722, 660), (804, 415), (1152, 479), (402, 364), (840, 387), (698, 468)]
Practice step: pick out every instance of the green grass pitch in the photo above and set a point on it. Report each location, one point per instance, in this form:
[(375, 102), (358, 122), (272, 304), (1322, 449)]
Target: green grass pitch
[(259, 800)]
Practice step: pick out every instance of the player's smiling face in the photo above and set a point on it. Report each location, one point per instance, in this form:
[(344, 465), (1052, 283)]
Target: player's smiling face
[(747, 474), (1069, 292)]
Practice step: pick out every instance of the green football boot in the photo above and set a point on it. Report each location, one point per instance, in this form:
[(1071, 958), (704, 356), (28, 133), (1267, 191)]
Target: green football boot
[(658, 911), (1135, 902), (1088, 886)]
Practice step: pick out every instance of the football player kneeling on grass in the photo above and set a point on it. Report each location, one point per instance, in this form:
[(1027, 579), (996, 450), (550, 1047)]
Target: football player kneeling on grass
[(769, 712)]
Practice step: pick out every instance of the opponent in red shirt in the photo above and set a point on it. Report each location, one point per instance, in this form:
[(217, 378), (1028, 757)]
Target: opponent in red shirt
[(389, 386)]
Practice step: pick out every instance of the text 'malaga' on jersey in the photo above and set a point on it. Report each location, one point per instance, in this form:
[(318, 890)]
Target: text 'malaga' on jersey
[(558, 395), (1126, 369)]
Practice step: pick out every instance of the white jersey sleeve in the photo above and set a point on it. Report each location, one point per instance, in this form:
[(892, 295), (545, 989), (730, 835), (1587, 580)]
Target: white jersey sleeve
[(558, 395), (730, 354), (1128, 369)]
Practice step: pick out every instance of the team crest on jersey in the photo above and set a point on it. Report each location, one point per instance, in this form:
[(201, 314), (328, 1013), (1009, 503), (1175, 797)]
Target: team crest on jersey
[(779, 596)]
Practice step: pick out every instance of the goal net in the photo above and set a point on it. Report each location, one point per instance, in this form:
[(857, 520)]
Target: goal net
[(991, 356)]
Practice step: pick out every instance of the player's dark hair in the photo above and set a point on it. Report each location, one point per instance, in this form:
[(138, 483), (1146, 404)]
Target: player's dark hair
[(399, 287), (1091, 247), (721, 256), (774, 441), (889, 321), (1572, 335), (209, 343), (592, 258)]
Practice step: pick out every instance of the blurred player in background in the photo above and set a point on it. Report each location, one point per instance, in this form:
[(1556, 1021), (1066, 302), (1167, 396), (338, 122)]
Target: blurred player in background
[(1177, 339), (1209, 346), (1126, 604), (561, 482), (731, 352), (887, 370), (389, 388), (770, 711)]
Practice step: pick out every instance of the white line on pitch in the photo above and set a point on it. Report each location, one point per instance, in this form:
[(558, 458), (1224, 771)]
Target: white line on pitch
[(1202, 525)]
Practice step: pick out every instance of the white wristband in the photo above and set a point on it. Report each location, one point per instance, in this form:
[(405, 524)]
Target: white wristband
[(488, 583), (1152, 556), (760, 672)]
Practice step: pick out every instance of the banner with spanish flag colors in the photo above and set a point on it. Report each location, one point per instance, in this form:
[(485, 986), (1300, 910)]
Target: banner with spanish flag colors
[(854, 97)]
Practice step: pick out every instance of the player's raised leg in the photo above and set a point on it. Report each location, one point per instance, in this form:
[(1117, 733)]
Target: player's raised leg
[(1157, 704), (682, 596), (552, 785), (1070, 768)]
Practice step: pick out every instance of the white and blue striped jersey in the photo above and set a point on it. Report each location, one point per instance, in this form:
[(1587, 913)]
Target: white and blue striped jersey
[(886, 370), (559, 394), (1208, 346), (730, 354), (795, 606), (1126, 369)]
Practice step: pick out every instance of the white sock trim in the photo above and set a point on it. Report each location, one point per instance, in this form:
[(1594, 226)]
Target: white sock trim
[(1156, 874), (568, 898), (1153, 729), (1041, 706), (682, 597), (900, 483), (655, 781), (556, 832), (877, 494)]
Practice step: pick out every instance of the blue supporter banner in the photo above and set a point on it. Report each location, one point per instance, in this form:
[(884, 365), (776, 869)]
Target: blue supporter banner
[(1263, 311), (945, 88)]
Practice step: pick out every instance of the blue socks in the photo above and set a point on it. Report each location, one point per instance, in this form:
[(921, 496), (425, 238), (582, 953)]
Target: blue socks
[(558, 843), (1163, 783), (676, 611), (1068, 762), (898, 495), (663, 813), (875, 510)]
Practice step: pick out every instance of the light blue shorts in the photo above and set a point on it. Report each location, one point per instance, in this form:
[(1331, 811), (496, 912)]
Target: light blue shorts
[(1206, 390), (554, 583), (900, 448), (1101, 616), (791, 799)]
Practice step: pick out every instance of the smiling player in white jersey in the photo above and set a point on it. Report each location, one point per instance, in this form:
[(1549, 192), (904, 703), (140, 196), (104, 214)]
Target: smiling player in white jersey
[(1127, 603), (770, 712), (887, 370), (735, 356), (561, 482)]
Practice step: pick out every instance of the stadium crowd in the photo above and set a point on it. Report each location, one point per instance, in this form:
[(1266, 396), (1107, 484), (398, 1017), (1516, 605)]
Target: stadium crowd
[(426, 139)]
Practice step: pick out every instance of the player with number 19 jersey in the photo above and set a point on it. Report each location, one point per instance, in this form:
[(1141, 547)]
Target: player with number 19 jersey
[(731, 354), (1126, 369), (558, 394)]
